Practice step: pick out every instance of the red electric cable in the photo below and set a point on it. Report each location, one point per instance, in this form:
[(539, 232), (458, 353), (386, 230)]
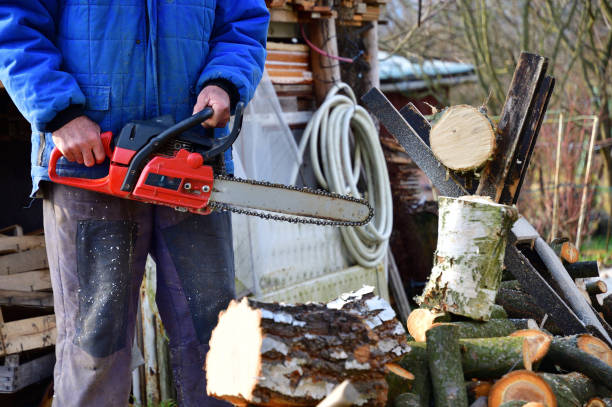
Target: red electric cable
[(322, 52)]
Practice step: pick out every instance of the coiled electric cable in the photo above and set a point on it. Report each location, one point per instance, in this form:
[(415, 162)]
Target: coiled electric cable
[(344, 148)]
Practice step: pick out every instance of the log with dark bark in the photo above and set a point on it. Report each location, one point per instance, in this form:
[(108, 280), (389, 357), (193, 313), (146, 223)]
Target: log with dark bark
[(271, 355), (584, 354), (445, 367), (596, 287), (415, 360), (399, 380), (407, 400), (606, 308), (574, 389), (521, 385), (583, 269), (519, 304), (493, 357)]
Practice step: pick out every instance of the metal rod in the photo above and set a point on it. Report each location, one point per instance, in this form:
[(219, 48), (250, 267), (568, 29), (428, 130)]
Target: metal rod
[(586, 183), (555, 216)]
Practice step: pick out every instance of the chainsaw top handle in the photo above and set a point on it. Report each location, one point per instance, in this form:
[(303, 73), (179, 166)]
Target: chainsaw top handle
[(157, 142)]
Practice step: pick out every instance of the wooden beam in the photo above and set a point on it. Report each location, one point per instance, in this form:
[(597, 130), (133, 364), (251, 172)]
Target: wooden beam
[(34, 298), (14, 244), (526, 143), (27, 334), (325, 71), (528, 74), (27, 281), (28, 260)]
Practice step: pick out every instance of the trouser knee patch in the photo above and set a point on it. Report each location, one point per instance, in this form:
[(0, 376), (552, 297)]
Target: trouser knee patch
[(104, 268)]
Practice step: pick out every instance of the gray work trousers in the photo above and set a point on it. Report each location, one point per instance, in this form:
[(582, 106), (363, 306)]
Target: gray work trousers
[(97, 247)]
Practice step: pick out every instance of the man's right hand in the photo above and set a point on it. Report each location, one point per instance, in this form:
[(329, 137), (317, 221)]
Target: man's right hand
[(79, 140)]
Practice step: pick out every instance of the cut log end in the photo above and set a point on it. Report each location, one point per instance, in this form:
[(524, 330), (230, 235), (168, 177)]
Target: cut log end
[(399, 371), (463, 139), (595, 347), (244, 325), (535, 347), (521, 385), (420, 320)]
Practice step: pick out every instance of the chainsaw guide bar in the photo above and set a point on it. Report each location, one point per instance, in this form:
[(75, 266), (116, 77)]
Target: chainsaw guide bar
[(319, 207)]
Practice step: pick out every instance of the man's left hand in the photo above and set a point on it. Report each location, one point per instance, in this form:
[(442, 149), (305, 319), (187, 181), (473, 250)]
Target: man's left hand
[(216, 98)]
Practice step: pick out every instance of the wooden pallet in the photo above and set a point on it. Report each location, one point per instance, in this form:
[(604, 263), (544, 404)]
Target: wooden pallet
[(26, 334), (14, 375)]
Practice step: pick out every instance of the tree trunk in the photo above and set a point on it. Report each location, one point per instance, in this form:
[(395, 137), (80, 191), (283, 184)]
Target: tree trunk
[(271, 355), (490, 329), (583, 269), (469, 257)]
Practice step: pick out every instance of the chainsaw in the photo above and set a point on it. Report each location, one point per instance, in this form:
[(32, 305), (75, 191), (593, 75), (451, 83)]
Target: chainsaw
[(161, 162)]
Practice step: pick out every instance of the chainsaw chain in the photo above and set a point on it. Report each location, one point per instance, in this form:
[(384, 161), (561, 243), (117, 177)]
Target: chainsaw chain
[(297, 219)]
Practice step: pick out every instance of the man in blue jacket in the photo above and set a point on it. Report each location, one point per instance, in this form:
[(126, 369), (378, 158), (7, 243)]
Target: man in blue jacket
[(74, 68)]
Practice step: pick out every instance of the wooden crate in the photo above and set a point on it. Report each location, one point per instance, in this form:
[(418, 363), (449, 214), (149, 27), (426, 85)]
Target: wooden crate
[(28, 328), (15, 375), (24, 273)]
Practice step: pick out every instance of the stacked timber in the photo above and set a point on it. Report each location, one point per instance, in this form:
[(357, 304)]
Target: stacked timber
[(268, 354), (27, 322), (347, 12)]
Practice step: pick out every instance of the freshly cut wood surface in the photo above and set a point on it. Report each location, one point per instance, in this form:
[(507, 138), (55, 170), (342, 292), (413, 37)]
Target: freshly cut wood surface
[(478, 388), (522, 385), (566, 352), (596, 287), (463, 138), (398, 379), (599, 402), (566, 251), (536, 345), (595, 347), (266, 354), (421, 319)]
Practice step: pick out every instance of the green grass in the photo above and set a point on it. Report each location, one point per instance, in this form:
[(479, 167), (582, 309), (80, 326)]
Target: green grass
[(594, 248)]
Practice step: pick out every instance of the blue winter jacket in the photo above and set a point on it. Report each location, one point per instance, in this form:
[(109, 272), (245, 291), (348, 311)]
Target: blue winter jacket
[(121, 60)]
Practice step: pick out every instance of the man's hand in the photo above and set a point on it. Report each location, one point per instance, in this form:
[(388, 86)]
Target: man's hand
[(219, 100), (79, 140)]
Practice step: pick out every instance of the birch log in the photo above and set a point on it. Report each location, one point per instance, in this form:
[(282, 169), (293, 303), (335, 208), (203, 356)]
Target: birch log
[(469, 258), (265, 354), (463, 139)]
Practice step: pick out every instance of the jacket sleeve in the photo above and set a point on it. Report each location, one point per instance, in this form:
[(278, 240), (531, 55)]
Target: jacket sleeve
[(30, 63), (237, 46)]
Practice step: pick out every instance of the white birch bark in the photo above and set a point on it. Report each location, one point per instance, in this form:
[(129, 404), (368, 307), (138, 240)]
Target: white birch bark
[(469, 258)]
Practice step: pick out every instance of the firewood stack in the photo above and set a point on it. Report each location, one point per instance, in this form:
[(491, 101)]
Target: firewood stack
[(27, 322), (347, 12)]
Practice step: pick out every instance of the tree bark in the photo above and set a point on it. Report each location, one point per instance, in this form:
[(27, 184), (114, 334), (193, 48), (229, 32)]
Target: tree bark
[(522, 305), (445, 367), (490, 329), (469, 257), (566, 353), (417, 363), (583, 269), (273, 355)]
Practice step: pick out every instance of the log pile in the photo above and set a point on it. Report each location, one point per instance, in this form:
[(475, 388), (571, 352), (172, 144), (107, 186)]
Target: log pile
[(498, 363), (27, 322)]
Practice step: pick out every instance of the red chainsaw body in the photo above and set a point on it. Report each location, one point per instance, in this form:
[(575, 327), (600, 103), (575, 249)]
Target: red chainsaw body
[(181, 181)]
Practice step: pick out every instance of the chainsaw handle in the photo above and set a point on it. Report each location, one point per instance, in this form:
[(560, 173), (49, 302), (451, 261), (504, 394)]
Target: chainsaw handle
[(222, 144), (56, 154)]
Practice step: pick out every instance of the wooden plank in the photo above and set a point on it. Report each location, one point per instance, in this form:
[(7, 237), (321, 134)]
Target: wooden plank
[(27, 334), (14, 244), (33, 298), (417, 121), (528, 74), (526, 143), (281, 46), (22, 375), (27, 281), (28, 260)]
